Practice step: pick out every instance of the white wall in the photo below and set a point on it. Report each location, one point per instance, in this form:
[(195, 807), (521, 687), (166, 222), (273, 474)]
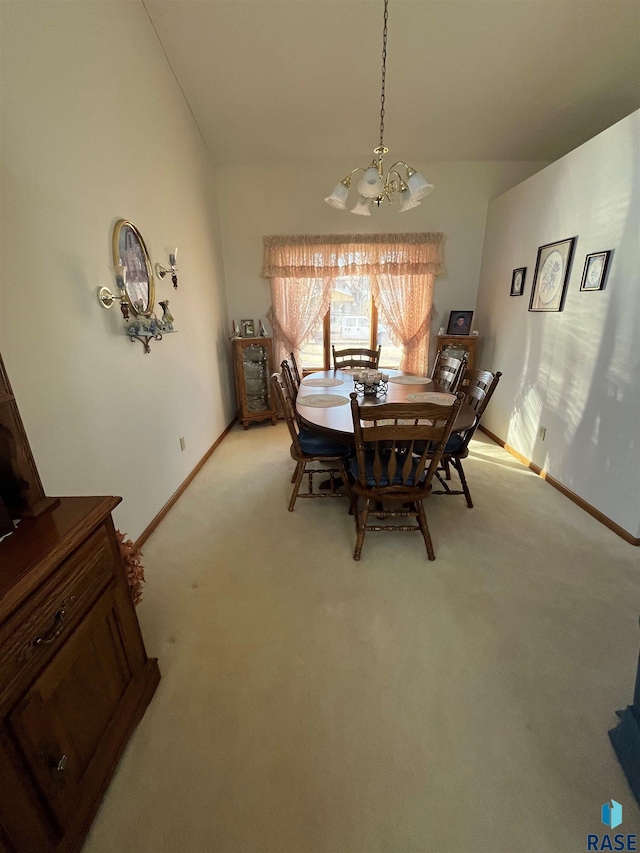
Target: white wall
[(288, 199), (95, 128), (577, 372)]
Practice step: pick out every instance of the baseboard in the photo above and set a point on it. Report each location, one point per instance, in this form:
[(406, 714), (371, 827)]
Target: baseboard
[(146, 533), (599, 516)]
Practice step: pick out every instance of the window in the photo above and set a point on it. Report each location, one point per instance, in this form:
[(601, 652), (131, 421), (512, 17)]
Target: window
[(352, 321), (349, 287)]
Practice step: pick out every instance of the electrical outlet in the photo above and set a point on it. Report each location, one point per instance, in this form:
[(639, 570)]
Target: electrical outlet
[(182, 443), (542, 432)]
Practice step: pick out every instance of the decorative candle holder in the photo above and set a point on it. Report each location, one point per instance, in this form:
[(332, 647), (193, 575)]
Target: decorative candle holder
[(371, 383), (375, 389)]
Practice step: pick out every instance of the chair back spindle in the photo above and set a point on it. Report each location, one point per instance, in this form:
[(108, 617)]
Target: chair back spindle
[(294, 369), (289, 381)]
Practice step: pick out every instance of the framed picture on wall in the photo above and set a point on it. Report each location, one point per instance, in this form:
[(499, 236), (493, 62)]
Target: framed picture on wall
[(460, 323), (552, 275), (248, 328), (517, 281), (595, 271)]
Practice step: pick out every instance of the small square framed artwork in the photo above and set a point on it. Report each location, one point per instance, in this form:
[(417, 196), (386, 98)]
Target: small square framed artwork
[(248, 328), (552, 275), (517, 281), (595, 271), (460, 323)]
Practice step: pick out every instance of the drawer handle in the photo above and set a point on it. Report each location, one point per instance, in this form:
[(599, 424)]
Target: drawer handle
[(58, 625), (59, 766)]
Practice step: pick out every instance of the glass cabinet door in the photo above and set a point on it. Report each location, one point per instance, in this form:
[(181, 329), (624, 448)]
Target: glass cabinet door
[(256, 367), (455, 350)]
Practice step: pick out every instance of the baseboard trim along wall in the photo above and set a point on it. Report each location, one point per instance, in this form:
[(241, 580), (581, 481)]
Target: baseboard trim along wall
[(599, 516), (146, 533)]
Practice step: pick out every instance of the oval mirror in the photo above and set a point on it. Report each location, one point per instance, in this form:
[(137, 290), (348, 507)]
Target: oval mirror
[(130, 251)]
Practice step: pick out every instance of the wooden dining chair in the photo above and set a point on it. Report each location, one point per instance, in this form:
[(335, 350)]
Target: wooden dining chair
[(297, 376), (289, 380), (308, 448), (369, 358), (478, 385), (398, 450), (448, 371)]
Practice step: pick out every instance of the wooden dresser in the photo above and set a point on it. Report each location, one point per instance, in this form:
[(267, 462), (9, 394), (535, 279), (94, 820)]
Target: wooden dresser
[(74, 675)]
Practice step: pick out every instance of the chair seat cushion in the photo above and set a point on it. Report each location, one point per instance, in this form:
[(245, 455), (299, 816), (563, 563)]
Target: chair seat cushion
[(384, 479), (455, 444), (317, 445)]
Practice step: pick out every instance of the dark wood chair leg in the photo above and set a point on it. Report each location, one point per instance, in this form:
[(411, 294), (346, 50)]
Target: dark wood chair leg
[(443, 483), (296, 488), (295, 473), (361, 527), (424, 529), (457, 464), (353, 502)]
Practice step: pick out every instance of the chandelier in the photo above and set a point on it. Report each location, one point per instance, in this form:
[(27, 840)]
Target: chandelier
[(374, 187)]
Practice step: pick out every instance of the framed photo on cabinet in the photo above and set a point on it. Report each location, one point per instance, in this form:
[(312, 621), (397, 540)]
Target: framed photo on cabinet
[(460, 322), (248, 328), (595, 271), (517, 281), (552, 275)]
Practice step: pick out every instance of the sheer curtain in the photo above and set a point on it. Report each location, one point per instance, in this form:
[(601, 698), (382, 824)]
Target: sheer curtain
[(405, 302), (297, 304), (402, 267)]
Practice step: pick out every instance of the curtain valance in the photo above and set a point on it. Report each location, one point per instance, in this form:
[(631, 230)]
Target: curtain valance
[(328, 256)]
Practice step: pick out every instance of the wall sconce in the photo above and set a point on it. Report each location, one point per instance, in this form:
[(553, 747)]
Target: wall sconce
[(106, 298), (135, 287), (161, 271)]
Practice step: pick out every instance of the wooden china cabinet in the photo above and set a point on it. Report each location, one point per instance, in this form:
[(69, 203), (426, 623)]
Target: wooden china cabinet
[(457, 345), (74, 675), (253, 366)]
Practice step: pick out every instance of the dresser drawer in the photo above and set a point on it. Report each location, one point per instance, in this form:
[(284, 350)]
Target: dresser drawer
[(30, 637)]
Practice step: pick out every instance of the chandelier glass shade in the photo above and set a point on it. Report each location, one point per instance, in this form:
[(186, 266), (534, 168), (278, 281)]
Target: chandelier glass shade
[(374, 187)]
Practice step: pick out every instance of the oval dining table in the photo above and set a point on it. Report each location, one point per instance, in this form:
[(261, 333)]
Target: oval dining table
[(336, 422)]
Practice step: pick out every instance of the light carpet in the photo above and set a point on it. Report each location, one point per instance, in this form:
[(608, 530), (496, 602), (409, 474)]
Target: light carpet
[(312, 704)]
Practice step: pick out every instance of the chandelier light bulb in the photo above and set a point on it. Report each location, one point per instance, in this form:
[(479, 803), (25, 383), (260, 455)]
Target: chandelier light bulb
[(363, 208), (371, 184), (338, 197), (408, 200), (418, 185)]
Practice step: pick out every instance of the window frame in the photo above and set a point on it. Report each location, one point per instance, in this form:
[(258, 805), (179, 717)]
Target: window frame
[(326, 338)]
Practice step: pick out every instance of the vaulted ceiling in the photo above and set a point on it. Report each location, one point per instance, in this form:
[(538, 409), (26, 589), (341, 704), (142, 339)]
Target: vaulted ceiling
[(274, 80)]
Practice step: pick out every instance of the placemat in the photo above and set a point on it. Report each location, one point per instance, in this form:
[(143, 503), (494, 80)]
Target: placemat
[(323, 383), (322, 401), (432, 397), (410, 380)]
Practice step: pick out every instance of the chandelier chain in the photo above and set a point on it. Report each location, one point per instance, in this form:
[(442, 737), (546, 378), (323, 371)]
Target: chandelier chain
[(384, 70)]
